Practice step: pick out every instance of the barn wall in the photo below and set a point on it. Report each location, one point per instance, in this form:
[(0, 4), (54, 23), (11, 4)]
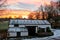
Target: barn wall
[(12, 34), (44, 26), (24, 33), (21, 25), (17, 29), (11, 25)]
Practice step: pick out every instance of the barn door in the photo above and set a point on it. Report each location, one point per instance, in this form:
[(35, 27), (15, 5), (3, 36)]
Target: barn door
[(31, 30), (16, 25), (18, 34)]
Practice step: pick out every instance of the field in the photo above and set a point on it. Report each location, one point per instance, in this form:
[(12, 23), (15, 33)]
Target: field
[(4, 25)]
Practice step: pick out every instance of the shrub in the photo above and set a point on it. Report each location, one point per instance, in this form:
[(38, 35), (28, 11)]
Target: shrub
[(48, 29)]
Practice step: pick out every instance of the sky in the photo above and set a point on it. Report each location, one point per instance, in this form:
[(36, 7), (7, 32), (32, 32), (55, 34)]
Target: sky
[(25, 4)]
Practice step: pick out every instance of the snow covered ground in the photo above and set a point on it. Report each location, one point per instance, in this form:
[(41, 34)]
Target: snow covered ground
[(56, 36)]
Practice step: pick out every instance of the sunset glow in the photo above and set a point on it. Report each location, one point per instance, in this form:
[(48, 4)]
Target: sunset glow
[(22, 8), (25, 17), (24, 14), (14, 13)]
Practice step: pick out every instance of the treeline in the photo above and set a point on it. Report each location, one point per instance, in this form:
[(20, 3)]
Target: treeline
[(4, 19)]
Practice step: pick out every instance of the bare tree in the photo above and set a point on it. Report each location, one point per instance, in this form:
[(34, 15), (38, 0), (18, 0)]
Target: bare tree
[(58, 5), (51, 11), (40, 9)]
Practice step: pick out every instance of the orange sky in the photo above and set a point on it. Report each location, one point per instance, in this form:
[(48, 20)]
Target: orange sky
[(25, 4), (14, 13)]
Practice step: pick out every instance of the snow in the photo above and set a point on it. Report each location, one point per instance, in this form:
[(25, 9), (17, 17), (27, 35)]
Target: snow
[(56, 33), (15, 29), (56, 36), (29, 22)]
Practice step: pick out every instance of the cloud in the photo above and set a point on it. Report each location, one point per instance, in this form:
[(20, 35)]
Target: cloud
[(26, 4), (35, 2), (20, 5)]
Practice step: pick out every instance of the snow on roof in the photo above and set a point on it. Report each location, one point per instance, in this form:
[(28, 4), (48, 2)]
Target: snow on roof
[(28, 22), (15, 29)]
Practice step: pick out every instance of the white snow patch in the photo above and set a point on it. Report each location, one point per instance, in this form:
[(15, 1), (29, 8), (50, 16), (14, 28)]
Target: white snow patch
[(55, 36)]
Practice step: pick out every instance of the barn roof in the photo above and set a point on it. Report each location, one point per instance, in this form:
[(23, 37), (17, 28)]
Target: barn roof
[(28, 22)]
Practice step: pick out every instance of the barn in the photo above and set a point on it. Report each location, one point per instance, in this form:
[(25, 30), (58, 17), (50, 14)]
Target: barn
[(25, 27)]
